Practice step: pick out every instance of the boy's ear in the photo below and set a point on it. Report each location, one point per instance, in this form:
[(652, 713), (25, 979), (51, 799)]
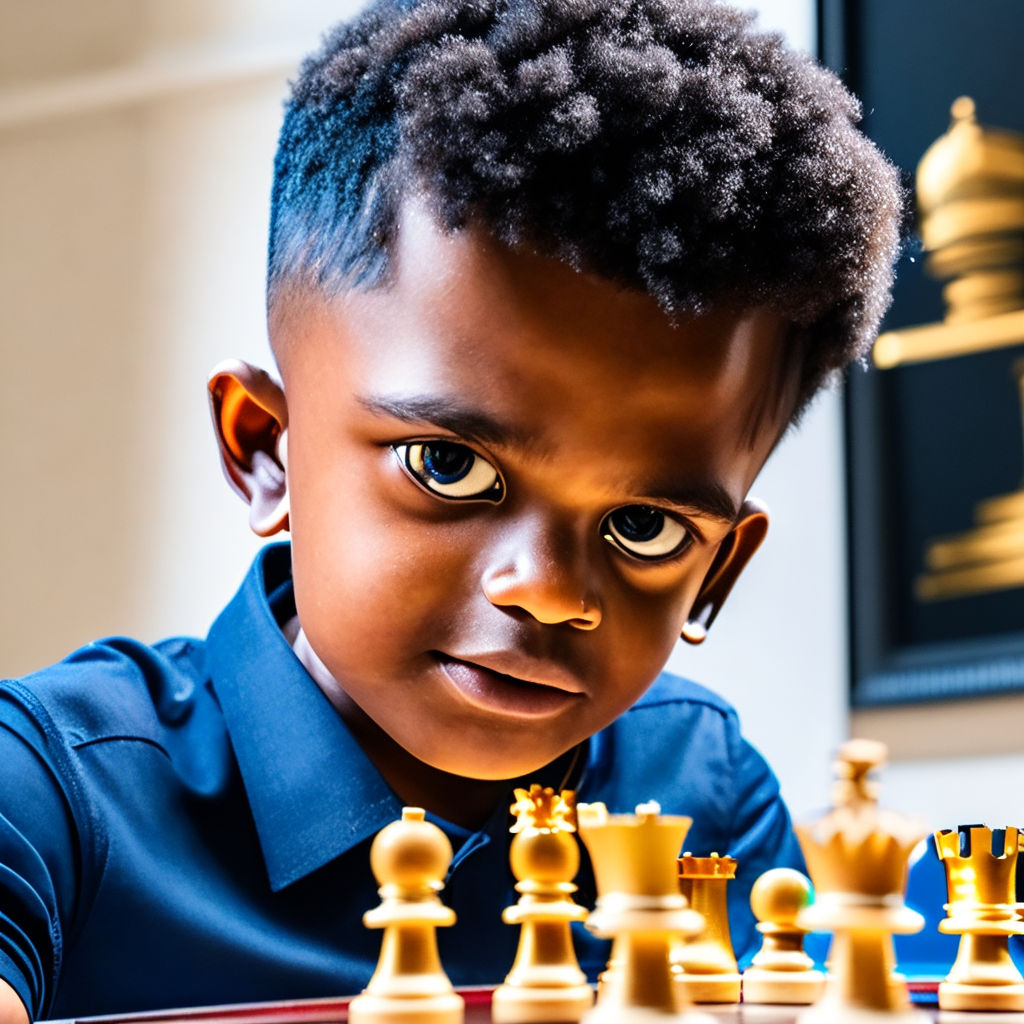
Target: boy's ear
[(733, 554), (250, 418)]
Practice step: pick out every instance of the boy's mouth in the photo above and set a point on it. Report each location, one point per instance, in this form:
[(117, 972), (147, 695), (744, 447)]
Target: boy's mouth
[(497, 691)]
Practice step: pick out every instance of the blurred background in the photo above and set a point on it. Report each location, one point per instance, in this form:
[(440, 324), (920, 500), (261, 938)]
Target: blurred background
[(136, 141)]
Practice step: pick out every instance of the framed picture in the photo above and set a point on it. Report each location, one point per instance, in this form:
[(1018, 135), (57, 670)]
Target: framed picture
[(935, 459)]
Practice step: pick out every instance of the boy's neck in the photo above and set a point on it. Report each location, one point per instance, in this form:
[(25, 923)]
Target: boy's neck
[(462, 801)]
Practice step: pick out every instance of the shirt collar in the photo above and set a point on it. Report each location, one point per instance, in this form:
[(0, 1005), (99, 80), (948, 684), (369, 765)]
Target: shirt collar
[(314, 794)]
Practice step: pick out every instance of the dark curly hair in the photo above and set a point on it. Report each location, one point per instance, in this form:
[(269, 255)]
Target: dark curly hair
[(666, 145)]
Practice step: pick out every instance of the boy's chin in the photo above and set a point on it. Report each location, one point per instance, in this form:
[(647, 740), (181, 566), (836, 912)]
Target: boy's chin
[(491, 765)]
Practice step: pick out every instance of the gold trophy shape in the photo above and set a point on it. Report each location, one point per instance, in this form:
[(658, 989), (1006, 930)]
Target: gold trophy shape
[(545, 983), (970, 197), (857, 857), (706, 965), (981, 869), (641, 908)]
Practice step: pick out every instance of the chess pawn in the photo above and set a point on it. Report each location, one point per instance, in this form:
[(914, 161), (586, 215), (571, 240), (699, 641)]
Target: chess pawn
[(640, 907), (781, 972), (857, 857), (409, 859), (982, 910), (706, 966), (545, 983)]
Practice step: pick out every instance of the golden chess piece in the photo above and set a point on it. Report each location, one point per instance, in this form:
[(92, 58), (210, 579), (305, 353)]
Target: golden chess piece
[(970, 189), (641, 908), (970, 205), (409, 859), (857, 857), (980, 879), (545, 983), (706, 965), (781, 971)]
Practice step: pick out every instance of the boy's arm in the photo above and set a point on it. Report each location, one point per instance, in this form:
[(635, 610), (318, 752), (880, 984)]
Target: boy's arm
[(12, 1009), (40, 860)]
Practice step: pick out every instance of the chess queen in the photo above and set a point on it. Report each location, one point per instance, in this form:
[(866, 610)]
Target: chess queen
[(857, 857)]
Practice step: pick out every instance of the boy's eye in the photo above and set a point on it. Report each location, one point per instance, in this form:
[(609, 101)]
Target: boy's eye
[(451, 470), (645, 532)]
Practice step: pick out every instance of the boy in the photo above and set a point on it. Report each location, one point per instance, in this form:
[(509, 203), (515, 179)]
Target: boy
[(547, 283)]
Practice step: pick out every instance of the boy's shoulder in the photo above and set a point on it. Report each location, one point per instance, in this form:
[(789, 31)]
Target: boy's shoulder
[(671, 691), (114, 688), (677, 730), (681, 745), (680, 730), (122, 688)]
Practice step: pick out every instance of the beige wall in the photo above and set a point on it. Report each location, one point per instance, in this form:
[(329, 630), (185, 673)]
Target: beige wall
[(136, 142)]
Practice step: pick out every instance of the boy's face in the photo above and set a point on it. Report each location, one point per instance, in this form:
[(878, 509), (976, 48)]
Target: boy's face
[(507, 484)]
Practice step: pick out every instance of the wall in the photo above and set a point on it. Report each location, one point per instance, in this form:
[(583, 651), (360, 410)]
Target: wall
[(135, 150), (136, 142)]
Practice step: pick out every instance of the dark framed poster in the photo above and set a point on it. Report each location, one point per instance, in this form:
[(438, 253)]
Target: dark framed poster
[(935, 460)]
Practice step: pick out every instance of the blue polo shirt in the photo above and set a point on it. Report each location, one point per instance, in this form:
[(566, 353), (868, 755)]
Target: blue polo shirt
[(189, 823)]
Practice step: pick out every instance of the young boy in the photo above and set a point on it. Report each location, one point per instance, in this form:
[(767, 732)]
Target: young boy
[(547, 283)]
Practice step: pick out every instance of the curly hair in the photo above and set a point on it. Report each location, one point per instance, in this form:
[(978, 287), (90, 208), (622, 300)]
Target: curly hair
[(665, 145)]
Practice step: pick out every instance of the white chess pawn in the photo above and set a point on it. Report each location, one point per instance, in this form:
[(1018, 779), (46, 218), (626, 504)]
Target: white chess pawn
[(409, 859), (781, 972)]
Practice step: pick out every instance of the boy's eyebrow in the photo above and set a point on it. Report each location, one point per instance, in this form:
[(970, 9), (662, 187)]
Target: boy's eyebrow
[(468, 422), (709, 499), (706, 498)]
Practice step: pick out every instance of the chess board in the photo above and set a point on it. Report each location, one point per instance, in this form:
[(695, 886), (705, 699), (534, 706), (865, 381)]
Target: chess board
[(478, 1011)]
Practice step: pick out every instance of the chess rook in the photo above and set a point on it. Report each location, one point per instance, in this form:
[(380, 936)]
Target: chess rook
[(545, 983), (706, 965), (781, 972), (641, 908), (857, 857), (409, 859), (980, 867)]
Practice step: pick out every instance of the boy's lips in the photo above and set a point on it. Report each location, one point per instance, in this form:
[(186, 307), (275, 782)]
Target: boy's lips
[(519, 693)]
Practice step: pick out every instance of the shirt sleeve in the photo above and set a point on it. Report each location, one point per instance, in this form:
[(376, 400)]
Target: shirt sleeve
[(763, 838), (40, 855)]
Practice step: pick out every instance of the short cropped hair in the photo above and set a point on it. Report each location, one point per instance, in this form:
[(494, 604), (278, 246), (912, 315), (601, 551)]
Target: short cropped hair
[(665, 145)]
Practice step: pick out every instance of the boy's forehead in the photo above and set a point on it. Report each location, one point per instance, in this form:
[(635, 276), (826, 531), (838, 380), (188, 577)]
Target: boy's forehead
[(463, 291), (472, 275)]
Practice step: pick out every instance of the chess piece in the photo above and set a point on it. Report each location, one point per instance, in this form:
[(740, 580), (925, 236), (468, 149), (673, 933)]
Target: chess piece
[(706, 965), (409, 859), (640, 907), (857, 856), (781, 972), (980, 877), (545, 983)]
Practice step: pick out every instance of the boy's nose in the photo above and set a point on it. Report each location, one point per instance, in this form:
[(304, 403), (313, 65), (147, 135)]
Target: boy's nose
[(544, 572)]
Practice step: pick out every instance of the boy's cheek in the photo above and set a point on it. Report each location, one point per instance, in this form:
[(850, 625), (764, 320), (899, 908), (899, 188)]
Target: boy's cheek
[(376, 573)]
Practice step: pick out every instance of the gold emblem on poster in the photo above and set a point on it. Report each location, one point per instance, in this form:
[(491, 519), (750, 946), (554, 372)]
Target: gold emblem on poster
[(970, 192)]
